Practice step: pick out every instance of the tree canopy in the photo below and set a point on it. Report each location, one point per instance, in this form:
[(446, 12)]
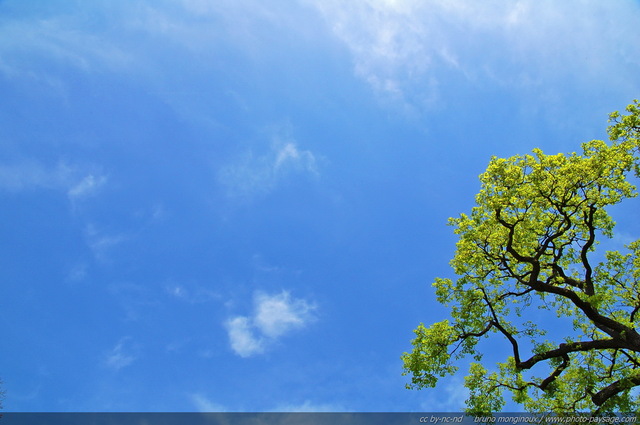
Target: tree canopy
[(528, 248)]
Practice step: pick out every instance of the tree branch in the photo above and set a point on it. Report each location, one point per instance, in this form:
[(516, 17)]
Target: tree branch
[(615, 329), (510, 249), (606, 324), (636, 363), (572, 347), (617, 387), (632, 317), (588, 217), (558, 370)]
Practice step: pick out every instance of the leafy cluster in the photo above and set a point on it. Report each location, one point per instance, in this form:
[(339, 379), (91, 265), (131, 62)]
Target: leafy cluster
[(529, 244)]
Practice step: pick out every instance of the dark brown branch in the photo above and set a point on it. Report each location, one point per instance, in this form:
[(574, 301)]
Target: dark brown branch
[(464, 335), (559, 271), (507, 334), (617, 387), (633, 313), (606, 324), (476, 334), (636, 363), (516, 294), (628, 335), (572, 347), (510, 249), (549, 379), (589, 290)]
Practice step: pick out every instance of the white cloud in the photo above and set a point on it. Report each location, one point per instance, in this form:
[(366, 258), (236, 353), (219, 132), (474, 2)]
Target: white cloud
[(62, 38), (203, 404), (117, 40), (309, 406), (279, 314), (273, 317), (451, 396), (33, 175), (191, 294), (135, 300), (242, 338), (77, 273), (403, 48), (398, 46), (29, 175), (260, 174), (120, 356), (288, 154), (87, 186), (101, 242), (177, 291)]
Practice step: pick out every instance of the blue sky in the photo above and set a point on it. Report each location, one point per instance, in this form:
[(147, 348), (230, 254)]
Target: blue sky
[(240, 205)]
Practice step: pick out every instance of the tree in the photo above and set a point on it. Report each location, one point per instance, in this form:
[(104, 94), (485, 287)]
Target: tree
[(526, 249)]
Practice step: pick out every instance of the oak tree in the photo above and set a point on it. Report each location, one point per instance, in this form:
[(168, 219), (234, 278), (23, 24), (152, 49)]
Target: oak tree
[(528, 248)]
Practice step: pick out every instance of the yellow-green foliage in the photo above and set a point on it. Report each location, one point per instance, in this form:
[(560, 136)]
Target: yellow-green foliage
[(529, 242)]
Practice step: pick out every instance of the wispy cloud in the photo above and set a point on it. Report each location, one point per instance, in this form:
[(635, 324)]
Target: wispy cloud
[(121, 355), (403, 48), (85, 187), (258, 174), (450, 398), (273, 317), (309, 406), (77, 273), (135, 300), (116, 40), (191, 294), (30, 175), (101, 242), (64, 39), (33, 175), (203, 404)]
